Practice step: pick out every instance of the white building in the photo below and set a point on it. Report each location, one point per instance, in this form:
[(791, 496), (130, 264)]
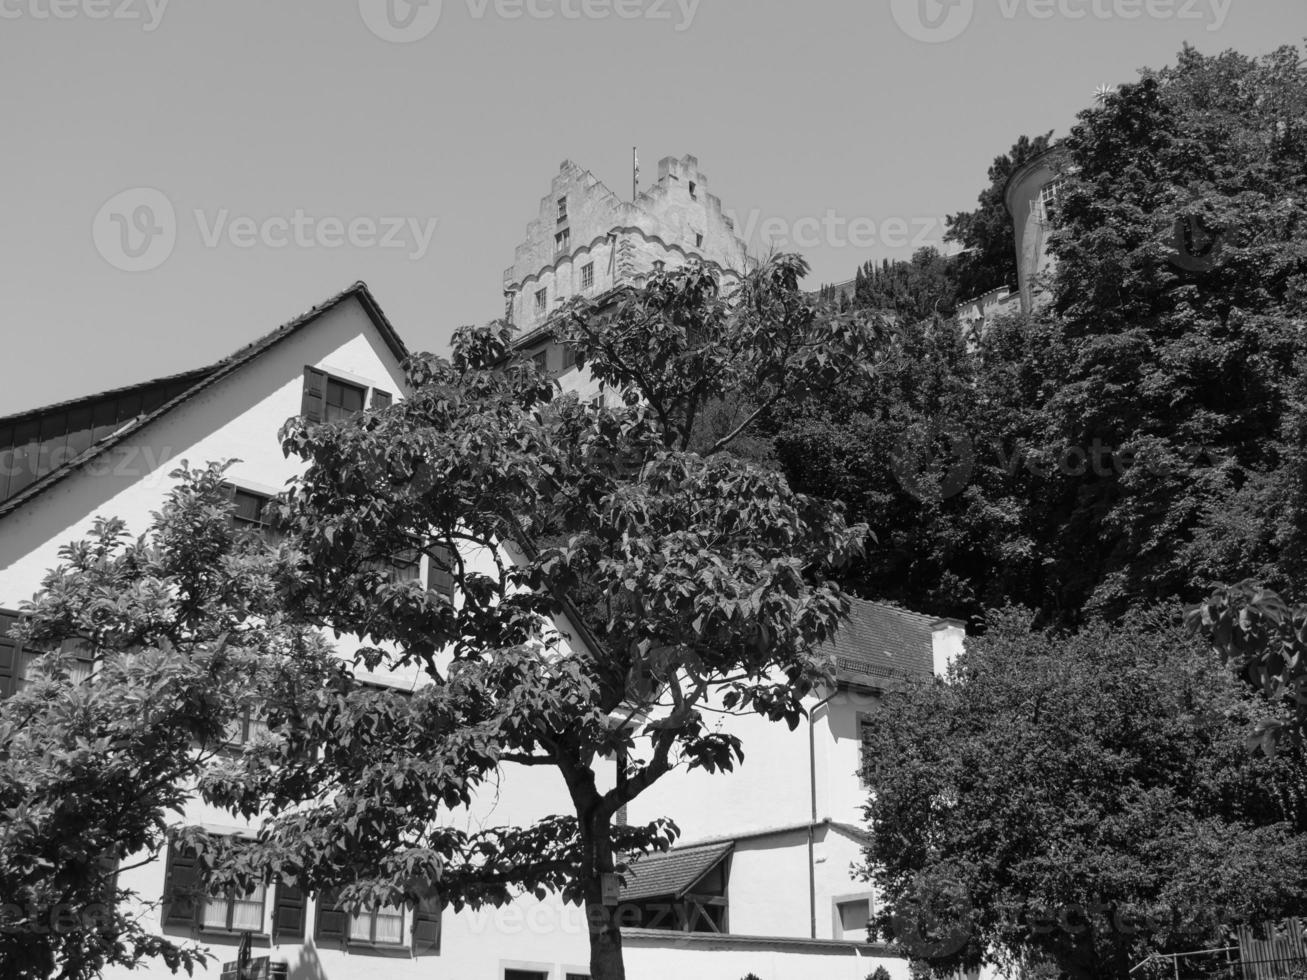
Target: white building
[(763, 883)]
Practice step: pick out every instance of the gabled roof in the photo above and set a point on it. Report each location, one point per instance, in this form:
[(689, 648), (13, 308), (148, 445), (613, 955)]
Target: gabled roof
[(158, 397), (672, 873), (881, 643)]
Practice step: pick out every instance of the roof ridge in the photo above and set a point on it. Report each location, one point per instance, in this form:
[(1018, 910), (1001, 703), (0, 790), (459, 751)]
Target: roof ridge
[(209, 376)]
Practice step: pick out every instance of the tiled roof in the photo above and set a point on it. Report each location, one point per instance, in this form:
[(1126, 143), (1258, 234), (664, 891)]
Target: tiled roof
[(673, 872), (176, 389), (881, 643)]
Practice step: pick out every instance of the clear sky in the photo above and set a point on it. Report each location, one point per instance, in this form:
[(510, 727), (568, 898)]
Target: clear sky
[(300, 130)]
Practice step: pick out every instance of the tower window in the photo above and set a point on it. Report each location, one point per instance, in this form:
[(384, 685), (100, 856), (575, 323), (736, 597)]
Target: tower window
[(693, 188), (562, 240), (588, 275), (698, 240), (541, 300), (562, 209)]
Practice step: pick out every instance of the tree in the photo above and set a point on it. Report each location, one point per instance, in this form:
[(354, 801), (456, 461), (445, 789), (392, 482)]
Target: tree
[(183, 625), (989, 260), (1081, 798), (919, 289), (1264, 639), (1182, 284), (712, 575)]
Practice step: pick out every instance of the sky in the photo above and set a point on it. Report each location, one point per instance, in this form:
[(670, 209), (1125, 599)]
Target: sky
[(179, 177)]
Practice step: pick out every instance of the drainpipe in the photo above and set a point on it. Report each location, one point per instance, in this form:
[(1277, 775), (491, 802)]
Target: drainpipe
[(812, 819)]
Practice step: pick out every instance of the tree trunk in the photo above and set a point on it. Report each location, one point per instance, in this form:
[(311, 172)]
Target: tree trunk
[(606, 961), (604, 922)]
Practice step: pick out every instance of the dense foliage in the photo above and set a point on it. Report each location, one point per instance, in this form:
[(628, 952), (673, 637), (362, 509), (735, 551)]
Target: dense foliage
[(1141, 440), (185, 627), (1084, 799)]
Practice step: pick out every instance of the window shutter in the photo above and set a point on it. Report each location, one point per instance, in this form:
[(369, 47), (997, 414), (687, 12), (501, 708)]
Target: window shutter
[(440, 574), (426, 926), (332, 923), (288, 915), (380, 399), (180, 888), (11, 657), (314, 407)]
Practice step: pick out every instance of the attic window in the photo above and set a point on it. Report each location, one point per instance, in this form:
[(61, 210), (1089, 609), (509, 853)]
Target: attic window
[(327, 398)]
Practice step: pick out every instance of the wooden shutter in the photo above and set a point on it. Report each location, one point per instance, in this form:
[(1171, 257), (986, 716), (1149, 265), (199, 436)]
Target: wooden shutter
[(380, 399), (440, 571), (314, 406), (332, 924), (426, 926), (181, 887), (288, 915), (11, 657)]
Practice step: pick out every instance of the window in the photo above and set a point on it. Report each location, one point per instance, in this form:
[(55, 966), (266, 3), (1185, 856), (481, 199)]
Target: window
[(327, 398), (562, 240), (343, 399), (693, 188), (526, 974), (243, 730), (569, 356), (382, 926), (588, 275), (698, 240), (659, 265), (541, 360), (250, 511), (562, 209), (187, 905), (18, 665), (250, 508), (1049, 196), (851, 919), (228, 914), (542, 299)]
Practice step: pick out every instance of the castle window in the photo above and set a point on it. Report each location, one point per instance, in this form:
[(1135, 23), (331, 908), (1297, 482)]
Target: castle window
[(562, 240), (660, 265), (562, 209), (541, 361), (698, 240), (693, 188), (588, 275), (541, 300)]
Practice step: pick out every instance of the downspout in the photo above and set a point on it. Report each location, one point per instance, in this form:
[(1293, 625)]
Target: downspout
[(812, 819)]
